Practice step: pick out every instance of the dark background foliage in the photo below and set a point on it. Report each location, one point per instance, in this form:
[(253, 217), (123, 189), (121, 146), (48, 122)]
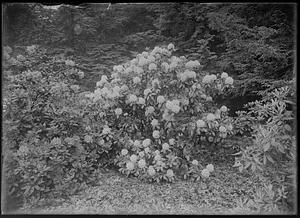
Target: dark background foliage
[(251, 42)]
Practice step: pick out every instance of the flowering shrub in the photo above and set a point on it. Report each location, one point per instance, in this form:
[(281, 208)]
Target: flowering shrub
[(47, 149), (162, 108)]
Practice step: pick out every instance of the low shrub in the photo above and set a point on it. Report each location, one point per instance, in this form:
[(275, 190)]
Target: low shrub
[(273, 151)]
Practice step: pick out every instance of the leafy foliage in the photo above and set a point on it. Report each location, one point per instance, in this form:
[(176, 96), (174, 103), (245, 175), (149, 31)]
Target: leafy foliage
[(274, 143)]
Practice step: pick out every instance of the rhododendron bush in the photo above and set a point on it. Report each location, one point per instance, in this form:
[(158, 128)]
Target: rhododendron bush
[(161, 108)]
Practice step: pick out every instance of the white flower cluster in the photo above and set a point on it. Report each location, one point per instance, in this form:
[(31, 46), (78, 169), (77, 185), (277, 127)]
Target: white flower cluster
[(187, 74), (147, 92), (118, 68), (171, 46), (165, 66), (156, 134), (154, 122), (146, 143), (206, 172), (106, 130), (152, 66), (136, 80), (31, 49), (229, 81), (200, 124), (141, 101), (102, 81), (81, 74), (118, 111), (160, 99), (132, 98), (70, 63), (192, 64), (209, 78), (149, 110), (155, 82), (21, 58), (173, 106), (174, 62), (109, 93)]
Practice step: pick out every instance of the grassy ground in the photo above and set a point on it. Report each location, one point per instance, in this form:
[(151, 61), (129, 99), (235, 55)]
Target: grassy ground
[(116, 194)]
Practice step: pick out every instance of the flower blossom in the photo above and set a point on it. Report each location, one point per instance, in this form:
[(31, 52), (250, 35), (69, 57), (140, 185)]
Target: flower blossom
[(151, 171), (118, 68), (154, 122), (147, 150), (118, 111), (210, 168), (228, 81), (165, 146), (155, 82), (165, 66), (141, 100), (104, 78), (172, 141), (124, 152), (136, 80), (155, 134), (160, 99), (88, 138), (146, 143), (208, 98), (56, 141), (222, 129), (205, 173), (187, 74), (173, 106), (150, 110), (209, 78), (142, 61), (69, 63), (106, 130), (141, 154), (145, 54), (224, 75), (171, 46), (210, 117), (152, 66), (173, 65), (136, 143), (124, 88), (195, 162), (132, 98), (133, 158), (230, 127), (223, 108), (170, 173), (130, 166), (200, 123), (142, 163), (81, 74), (157, 157), (147, 92), (192, 64), (151, 59), (138, 70)]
